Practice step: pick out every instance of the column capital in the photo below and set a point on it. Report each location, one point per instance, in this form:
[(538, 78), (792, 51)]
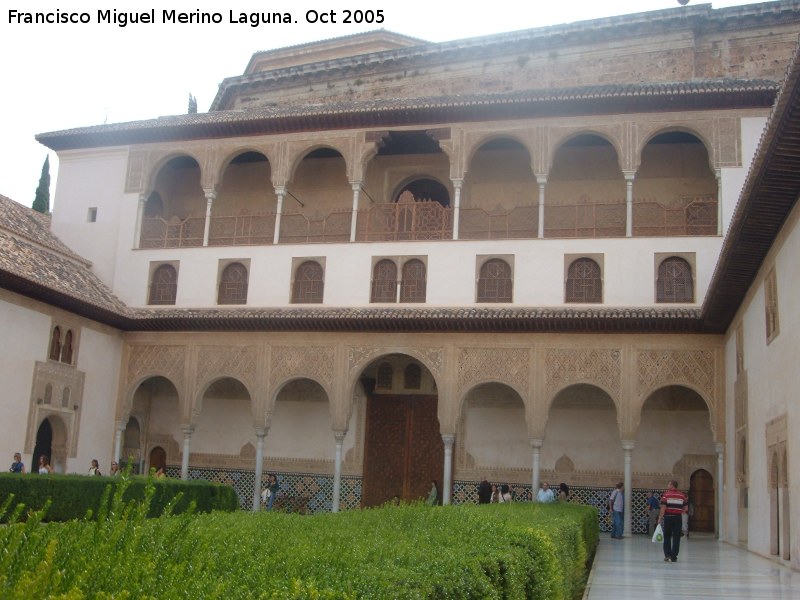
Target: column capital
[(448, 439), (629, 175), (280, 190), (356, 185), (536, 443), (339, 435), (210, 193), (541, 179), (261, 431), (628, 445), (187, 430), (457, 182), (720, 448)]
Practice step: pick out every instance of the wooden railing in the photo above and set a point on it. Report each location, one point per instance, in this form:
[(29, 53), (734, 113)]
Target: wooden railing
[(521, 222), (297, 228), (585, 220), (175, 233), (693, 215), (242, 230), (403, 221)]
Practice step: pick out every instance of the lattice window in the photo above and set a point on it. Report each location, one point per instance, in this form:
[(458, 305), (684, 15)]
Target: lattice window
[(233, 284), (66, 351), (384, 282), (495, 283), (164, 286), (771, 305), (412, 377), (674, 283), (385, 376), (55, 344), (48, 394), (584, 283), (65, 398), (414, 285), (309, 283)]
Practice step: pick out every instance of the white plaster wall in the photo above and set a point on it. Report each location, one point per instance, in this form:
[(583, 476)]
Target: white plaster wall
[(300, 430), (773, 384), (497, 436), (92, 179), (582, 432), (99, 356), (27, 334), (224, 426), (664, 437)]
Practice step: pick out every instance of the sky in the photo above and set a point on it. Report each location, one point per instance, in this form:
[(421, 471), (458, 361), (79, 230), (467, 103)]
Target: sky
[(65, 75)]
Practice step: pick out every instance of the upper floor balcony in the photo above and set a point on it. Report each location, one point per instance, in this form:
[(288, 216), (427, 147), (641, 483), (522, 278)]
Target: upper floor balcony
[(406, 192)]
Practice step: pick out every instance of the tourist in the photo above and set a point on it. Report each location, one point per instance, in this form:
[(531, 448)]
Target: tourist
[(17, 466), (545, 495), (95, 468), (616, 504), (44, 465), (115, 470), (433, 495), (652, 508), (563, 492), (484, 492), (674, 504)]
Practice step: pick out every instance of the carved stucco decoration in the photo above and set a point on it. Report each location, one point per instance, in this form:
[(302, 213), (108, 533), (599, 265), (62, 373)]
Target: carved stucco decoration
[(358, 357), (531, 138), (613, 132), (503, 365), (567, 366), (239, 362), (689, 463), (316, 362), (166, 361), (135, 177), (693, 368)]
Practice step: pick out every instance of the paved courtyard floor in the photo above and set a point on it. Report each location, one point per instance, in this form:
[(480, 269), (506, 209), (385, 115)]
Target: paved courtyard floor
[(634, 567)]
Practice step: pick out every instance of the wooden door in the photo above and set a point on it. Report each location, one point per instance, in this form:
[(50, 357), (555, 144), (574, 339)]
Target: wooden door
[(403, 448), (701, 497)]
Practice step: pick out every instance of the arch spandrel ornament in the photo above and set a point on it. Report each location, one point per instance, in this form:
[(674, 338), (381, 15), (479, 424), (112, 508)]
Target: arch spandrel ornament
[(502, 365), (360, 356), (315, 362), (151, 361), (614, 133), (569, 366), (239, 362)]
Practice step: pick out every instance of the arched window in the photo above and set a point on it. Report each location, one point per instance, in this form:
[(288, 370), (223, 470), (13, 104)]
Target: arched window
[(233, 284), (384, 282), (55, 344), (164, 286), (48, 394), (66, 351), (308, 283), (495, 283), (154, 207), (412, 377), (674, 283), (65, 398), (414, 283), (385, 376), (584, 283), (425, 190)]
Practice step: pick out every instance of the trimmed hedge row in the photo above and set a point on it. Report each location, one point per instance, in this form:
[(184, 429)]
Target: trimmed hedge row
[(411, 551), (74, 496)]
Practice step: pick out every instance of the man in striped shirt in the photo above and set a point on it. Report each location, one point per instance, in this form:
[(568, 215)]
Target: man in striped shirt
[(673, 504)]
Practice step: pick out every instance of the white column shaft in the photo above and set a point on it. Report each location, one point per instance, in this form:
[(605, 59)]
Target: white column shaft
[(337, 472), (456, 206), (354, 219), (207, 229), (259, 471), (448, 468), (281, 192)]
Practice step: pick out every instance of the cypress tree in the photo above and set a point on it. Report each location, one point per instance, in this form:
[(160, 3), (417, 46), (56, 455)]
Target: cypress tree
[(41, 202)]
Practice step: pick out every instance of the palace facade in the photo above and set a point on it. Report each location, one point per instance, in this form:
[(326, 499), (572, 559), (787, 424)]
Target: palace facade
[(558, 254)]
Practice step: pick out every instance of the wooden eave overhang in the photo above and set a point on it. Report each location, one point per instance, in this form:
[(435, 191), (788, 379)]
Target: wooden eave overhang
[(399, 112), (769, 194)]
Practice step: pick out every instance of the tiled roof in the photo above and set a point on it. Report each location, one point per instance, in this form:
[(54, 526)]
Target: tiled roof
[(36, 263), (716, 94), (769, 194)]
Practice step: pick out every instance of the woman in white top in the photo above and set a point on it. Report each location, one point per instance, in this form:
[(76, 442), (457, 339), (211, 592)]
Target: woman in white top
[(44, 465)]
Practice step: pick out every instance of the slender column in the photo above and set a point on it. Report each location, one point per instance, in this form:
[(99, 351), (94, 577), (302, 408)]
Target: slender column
[(720, 492), (137, 234), (542, 181), (187, 438), (627, 446), (119, 430), (280, 191), (337, 470), (629, 204), (536, 445), (261, 432), (356, 185), (457, 183), (447, 484), (210, 197), (718, 175)]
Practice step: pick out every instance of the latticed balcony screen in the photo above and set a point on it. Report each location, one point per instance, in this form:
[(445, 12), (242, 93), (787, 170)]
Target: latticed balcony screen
[(414, 283), (233, 285), (242, 230), (164, 286), (400, 221), (495, 283), (308, 283), (674, 283), (584, 283), (384, 282), (174, 233)]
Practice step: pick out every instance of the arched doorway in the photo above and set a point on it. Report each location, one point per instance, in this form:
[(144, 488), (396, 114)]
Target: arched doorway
[(158, 459), (701, 502), (44, 444), (403, 447)]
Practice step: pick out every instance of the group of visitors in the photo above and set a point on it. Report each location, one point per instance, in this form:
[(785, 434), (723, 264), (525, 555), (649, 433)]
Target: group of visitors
[(493, 493), (270, 491), (44, 467)]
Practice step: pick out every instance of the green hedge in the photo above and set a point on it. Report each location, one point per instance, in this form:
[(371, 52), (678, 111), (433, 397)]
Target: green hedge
[(411, 551), (73, 496)]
